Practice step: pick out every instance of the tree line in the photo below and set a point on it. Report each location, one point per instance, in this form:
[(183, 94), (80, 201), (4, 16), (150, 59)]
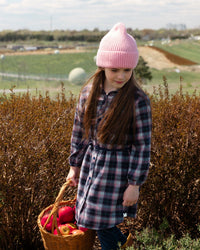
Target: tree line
[(93, 35)]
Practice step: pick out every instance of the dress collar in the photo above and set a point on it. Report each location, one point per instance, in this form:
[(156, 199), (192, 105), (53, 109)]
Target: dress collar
[(112, 92)]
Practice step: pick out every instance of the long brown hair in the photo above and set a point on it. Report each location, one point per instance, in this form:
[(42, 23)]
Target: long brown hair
[(117, 120)]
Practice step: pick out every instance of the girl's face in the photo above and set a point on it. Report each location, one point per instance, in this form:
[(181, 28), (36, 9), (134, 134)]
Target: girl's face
[(116, 78)]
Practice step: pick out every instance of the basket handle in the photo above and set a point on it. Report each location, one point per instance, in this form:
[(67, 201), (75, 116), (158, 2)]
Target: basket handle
[(56, 206)]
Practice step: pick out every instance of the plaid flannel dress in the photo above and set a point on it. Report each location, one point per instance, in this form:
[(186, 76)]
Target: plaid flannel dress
[(105, 171)]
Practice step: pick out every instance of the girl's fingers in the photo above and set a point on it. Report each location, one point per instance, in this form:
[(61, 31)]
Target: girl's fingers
[(128, 204), (74, 181)]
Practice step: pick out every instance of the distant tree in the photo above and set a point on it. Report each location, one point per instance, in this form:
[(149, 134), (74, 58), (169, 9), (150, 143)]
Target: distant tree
[(95, 30), (142, 71)]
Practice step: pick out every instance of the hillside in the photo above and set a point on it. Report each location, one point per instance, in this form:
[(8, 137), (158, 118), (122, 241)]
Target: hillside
[(160, 59)]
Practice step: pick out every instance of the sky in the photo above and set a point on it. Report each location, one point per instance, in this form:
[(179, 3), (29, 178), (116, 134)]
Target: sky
[(101, 14)]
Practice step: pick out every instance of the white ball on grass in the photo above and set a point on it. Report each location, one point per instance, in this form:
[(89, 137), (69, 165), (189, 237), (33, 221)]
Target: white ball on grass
[(77, 76)]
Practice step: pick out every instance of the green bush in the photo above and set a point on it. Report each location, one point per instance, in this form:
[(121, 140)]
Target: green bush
[(34, 149), (142, 71), (153, 240)]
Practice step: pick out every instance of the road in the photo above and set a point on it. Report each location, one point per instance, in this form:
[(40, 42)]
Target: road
[(32, 77)]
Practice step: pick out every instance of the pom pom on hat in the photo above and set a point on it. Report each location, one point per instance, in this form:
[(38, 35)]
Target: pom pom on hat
[(117, 49)]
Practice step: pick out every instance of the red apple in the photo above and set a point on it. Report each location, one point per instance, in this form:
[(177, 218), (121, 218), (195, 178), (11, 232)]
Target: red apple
[(84, 229), (65, 229), (55, 231), (71, 226), (74, 209), (49, 225), (43, 221), (77, 231), (66, 214)]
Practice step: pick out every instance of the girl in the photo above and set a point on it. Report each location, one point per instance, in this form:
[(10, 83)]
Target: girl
[(111, 138)]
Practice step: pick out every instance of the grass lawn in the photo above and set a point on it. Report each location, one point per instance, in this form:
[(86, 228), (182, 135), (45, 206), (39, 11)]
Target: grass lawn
[(185, 48), (190, 82), (60, 65), (42, 87), (51, 65)]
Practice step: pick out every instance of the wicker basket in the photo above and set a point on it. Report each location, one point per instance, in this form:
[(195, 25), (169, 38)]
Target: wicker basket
[(83, 241)]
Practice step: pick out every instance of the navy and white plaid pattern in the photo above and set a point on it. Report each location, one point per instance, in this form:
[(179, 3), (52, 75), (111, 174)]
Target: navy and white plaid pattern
[(106, 171)]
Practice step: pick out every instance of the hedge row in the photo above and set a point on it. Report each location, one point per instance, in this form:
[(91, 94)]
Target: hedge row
[(34, 148), (171, 192)]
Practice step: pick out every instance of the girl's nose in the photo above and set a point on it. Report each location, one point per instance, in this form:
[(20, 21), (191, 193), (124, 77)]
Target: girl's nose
[(121, 75)]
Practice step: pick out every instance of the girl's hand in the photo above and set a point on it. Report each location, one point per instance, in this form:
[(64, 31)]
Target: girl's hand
[(73, 175), (130, 196)]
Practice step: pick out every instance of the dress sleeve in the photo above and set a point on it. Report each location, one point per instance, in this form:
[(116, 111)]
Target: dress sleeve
[(141, 149), (78, 142)]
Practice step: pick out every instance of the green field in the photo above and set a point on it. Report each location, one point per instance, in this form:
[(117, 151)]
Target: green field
[(45, 66), (188, 49), (60, 65), (48, 65), (189, 81)]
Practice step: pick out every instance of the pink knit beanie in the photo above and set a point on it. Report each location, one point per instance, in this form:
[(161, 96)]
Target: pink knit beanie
[(117, 49)]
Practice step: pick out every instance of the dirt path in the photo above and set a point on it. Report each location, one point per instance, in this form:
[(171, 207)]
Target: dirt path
[(156, 59)]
